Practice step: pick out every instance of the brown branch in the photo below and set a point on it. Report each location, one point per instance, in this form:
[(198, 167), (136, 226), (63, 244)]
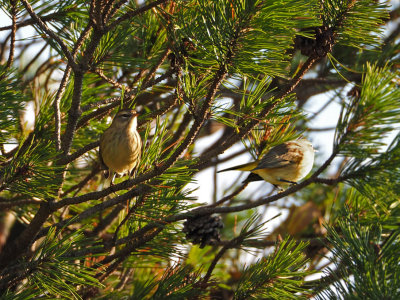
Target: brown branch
[(56, 107), (115, 101), (321, 129), (54, 36), (131, 211), (134, 13), (230, 196), (114, 83), (140, 190), (171, 102), (235, 242), (107, 9), (154, 69), (49, 17), (334, 181), (135, 242), (3, 45), (63, 84), (25, 69), (13, 33), (100, 103), (75, 111), (78, 153), (4, 203), (73, 114), (81, 184), (15, 248), (109, 13), (107, 221)]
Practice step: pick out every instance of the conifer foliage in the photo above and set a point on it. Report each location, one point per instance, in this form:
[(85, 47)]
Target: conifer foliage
[(207, 77)]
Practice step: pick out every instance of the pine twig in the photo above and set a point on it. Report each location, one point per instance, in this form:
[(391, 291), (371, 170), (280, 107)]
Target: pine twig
[(63, 84), (134, 13), (13, 33), (78, 153), (230, 196), (29, 22), (114, 83), (109, 13), (107, 221), (154, 69), (56, 107), (35, 58), (54, 36), (82, 183), (15, 248), (235, 242), (6, 204)]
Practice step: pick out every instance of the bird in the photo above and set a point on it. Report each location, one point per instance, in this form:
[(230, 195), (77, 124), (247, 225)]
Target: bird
[(284, 164), (121, 145)]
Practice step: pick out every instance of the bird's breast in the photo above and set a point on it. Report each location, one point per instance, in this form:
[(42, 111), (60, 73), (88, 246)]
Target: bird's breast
[(121, 152), (306, 163)]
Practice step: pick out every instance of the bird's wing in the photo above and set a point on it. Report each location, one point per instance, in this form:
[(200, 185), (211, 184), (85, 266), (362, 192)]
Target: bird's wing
[(103, 166), (280, 156), (253, 177), (245, 167)]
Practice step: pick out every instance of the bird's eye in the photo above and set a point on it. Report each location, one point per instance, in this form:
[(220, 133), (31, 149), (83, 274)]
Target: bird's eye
[(125, 115)]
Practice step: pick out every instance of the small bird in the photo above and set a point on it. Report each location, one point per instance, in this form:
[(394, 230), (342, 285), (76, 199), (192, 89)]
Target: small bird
[(120, 145), (283, 164)]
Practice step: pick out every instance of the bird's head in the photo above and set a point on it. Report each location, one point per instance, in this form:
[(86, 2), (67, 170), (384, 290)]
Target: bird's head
[(125, 118)]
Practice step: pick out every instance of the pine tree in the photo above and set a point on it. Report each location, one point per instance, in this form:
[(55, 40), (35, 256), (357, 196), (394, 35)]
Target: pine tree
[(241, 71)]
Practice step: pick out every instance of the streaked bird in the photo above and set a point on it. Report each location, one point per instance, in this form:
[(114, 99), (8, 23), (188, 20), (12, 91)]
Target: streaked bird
[(120, 145), (283, 164)]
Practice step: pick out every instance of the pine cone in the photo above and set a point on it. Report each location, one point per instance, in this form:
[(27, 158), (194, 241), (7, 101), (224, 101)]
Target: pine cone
[(203, 230), (318, 47)]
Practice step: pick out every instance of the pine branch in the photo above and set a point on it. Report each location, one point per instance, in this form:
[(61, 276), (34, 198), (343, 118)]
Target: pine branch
[(8, 203), (60, 92), (14, 249), (55, 37), (46, 18), (156, 66), (13, 33), (73, 114), (132, 14), (230, 196), (75, 110), (81, 184), (107, 221), (233, 243)]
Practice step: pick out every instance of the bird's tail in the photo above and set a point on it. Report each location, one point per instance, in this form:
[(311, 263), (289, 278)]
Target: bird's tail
[(244, 167)]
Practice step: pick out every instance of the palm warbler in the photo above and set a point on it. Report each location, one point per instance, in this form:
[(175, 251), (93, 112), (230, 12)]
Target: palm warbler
[(285, 163), (120, 144)]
